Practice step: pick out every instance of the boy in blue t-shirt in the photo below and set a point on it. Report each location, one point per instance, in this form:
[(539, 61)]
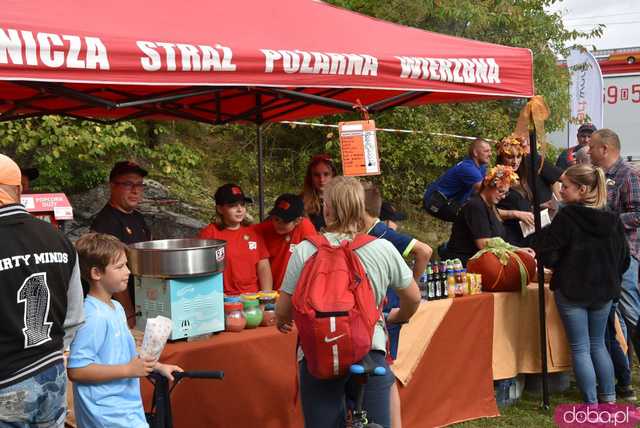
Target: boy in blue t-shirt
[(380, 221), (103, 363)]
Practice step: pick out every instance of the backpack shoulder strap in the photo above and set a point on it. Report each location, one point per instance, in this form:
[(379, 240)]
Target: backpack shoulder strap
[(360, 240), (318, 240)]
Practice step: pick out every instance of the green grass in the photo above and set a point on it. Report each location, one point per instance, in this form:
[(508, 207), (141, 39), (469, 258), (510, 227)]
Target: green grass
[(528, 411)]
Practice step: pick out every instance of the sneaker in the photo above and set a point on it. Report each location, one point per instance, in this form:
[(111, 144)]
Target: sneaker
[(625, 393)]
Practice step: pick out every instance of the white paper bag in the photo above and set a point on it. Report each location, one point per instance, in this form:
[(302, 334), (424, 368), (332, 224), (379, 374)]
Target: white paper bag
[(545, 220), (156, 333)]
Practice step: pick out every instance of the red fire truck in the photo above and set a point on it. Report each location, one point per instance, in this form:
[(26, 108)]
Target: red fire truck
[(621, 77)]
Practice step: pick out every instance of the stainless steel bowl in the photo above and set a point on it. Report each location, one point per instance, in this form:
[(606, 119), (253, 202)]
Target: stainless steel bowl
[(172, 258)]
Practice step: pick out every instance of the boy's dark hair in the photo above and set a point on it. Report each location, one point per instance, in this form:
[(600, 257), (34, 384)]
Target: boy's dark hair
[(97, 250), (372, 199)]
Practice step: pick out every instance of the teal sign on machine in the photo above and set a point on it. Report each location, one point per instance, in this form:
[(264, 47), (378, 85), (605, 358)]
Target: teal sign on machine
[(180, 279), (192, 303)]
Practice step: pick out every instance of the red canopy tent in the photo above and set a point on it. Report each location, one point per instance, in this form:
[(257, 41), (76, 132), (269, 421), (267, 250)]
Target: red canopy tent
[(225, 61), (219, 62)]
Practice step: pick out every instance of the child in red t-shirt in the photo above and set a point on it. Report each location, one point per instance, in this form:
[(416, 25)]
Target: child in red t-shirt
[(246, 267), (285, 228)]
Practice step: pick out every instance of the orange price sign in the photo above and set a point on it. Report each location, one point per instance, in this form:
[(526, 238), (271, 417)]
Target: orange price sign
[(359, 148)]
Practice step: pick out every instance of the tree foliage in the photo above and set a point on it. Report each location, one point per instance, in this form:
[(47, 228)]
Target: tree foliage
[(76, 155)]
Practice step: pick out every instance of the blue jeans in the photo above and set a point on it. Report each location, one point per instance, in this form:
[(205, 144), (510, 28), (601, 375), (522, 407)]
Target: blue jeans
[(37, 402), (629, 306), (585, 326), (618, 357), (323, 400)]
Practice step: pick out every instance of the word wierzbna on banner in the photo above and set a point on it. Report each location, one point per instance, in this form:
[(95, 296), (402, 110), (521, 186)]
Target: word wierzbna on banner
[(51, 50)]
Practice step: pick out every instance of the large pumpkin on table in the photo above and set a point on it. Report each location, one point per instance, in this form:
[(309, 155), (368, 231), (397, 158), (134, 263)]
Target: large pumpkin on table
[(497, 276)]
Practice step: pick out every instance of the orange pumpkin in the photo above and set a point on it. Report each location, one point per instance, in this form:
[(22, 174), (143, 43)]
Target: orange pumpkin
[(498, 277)]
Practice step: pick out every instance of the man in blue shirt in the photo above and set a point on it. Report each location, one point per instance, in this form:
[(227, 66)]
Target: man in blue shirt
[(444, 197)]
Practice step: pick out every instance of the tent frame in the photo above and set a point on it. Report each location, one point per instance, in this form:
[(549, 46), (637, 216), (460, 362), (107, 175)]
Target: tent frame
[(170, 103)]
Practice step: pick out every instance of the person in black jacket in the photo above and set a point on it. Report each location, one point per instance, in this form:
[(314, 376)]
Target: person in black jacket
[(587, 250), (479, 220), (40, 310), (516, 205), (120, 217)]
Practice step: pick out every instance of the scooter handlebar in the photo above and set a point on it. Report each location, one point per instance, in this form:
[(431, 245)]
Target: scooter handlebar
[(198, 375)]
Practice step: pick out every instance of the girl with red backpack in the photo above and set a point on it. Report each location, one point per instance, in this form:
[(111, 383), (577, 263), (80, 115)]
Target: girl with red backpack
[(334, 289)]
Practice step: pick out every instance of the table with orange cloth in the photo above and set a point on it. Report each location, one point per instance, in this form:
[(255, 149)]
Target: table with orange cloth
[(259, 385), (452, 382), (516, 334)]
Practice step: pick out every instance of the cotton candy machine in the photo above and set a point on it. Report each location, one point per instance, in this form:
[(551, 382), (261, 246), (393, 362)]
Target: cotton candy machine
[(180, 279)]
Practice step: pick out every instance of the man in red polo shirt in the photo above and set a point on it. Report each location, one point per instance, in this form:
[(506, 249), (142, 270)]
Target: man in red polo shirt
[(285, 228)]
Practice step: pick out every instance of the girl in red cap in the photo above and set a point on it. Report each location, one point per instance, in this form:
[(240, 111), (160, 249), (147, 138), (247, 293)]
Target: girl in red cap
[(247, 267)]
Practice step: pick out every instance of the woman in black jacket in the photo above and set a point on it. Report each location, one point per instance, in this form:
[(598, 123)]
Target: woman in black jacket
[(587, 250), (516, 206)]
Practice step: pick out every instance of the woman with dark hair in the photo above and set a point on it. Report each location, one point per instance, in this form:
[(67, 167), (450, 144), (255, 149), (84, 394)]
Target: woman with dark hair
[(478, 220), (516, 206), (320, 171)]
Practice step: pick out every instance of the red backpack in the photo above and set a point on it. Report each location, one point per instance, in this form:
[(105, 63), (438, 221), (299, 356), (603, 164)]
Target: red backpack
[(334, 307)]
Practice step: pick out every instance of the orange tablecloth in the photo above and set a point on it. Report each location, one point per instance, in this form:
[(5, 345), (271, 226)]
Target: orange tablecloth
[(452, 383), (516, 335), (258, 389)]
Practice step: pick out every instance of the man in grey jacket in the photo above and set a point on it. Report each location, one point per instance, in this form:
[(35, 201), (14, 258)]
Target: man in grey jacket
[(41, 307)]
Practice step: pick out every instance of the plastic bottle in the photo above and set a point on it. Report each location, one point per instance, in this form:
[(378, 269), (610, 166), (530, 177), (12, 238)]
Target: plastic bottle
[(451, 283), (465, 284), (436, 282), (422, 285), (459, 284), (431, 295)]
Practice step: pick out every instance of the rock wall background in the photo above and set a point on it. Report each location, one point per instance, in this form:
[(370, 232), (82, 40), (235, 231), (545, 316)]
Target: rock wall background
[(168, 218)]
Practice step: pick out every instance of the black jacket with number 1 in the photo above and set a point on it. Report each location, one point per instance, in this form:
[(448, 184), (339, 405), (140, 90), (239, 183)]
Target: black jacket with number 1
[(41, 302)]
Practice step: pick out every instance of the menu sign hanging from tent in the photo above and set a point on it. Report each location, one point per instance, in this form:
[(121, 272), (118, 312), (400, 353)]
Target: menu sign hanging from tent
[(359, 148)]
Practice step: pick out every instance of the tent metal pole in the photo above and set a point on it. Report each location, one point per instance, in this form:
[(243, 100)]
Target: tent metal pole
[(310, 98), (541, 289), (394, 101), (260, 155)]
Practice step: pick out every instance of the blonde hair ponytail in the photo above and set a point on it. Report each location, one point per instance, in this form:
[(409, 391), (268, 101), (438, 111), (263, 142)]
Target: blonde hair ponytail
[(600, 188), (593, 179)]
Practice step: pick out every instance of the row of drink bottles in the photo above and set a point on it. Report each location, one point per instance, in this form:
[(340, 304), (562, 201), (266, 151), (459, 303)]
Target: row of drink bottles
[(448, 279)]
